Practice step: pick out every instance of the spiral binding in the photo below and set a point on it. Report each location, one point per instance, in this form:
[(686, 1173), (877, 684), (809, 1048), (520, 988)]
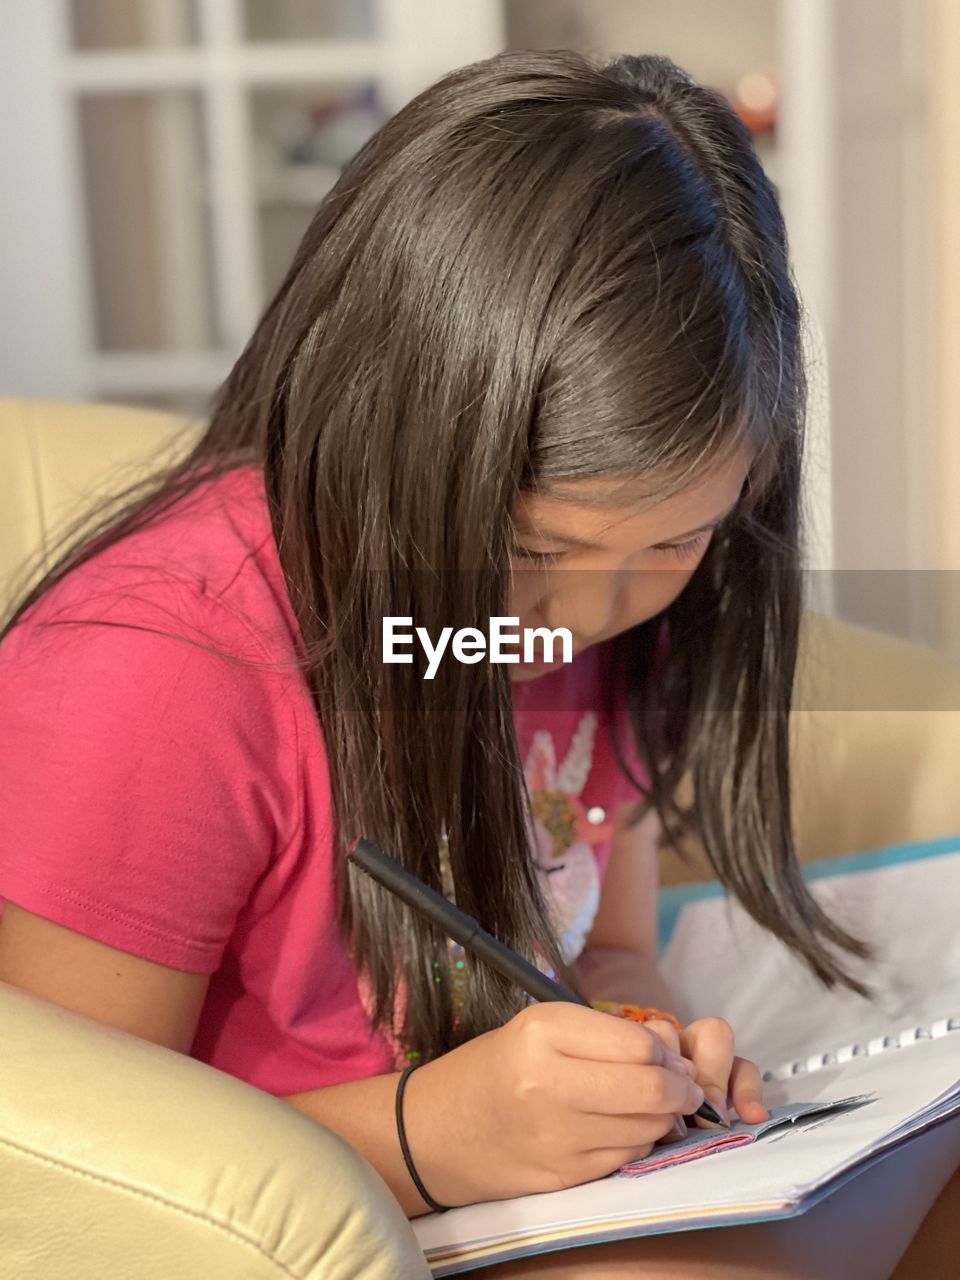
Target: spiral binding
[(879, 1044)]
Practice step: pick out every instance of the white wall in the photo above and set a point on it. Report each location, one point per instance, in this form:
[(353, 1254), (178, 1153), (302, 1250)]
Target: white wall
[(883, 438), (945, 342)]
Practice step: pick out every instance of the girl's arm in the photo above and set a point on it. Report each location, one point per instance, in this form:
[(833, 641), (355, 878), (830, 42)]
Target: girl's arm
[(362, 1112), (619, 961), (62, 966)]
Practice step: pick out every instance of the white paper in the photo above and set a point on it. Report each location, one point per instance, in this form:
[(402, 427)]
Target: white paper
[(723, 964)]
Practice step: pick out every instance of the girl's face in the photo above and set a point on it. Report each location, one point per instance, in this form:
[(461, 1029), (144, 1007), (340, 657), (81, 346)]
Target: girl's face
[(600, 569)]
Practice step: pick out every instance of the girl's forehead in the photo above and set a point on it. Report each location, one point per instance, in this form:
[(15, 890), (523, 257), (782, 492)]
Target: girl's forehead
[(605, 505)]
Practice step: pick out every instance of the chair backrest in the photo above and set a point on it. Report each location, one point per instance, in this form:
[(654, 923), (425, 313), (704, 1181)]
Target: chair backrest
[(56, 457)]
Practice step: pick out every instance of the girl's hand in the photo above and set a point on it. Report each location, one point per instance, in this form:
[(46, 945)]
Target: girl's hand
[(559, 1095), (725, 1078)]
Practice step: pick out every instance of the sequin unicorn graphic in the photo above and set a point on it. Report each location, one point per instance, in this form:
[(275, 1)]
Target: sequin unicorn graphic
[(565, 832)]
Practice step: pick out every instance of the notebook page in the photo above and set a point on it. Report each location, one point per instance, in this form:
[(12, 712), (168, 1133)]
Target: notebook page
[(911, 1085), (903, 1039), (764, 1178), (719, 962)]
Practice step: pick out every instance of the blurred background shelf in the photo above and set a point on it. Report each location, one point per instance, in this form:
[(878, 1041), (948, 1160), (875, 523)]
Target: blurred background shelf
[(299, 184), (182, 155), (182, 374), (159, 69)]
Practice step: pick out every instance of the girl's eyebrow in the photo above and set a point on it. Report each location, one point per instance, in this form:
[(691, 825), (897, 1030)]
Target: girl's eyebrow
[(583, 544)]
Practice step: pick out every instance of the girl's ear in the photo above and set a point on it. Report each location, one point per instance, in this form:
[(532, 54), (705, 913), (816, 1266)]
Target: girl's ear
[(541, 766)]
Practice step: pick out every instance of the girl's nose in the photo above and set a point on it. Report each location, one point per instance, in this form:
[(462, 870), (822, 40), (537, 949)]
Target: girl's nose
[(588, 604)]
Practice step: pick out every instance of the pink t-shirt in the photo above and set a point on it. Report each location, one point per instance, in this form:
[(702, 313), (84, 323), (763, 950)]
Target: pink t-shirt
[(176, 805)]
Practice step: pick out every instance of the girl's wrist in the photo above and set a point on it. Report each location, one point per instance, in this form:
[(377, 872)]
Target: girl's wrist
[(425, 1195), (440, 1100)]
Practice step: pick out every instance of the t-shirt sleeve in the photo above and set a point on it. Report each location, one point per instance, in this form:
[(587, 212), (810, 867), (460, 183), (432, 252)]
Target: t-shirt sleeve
[(145, 783)]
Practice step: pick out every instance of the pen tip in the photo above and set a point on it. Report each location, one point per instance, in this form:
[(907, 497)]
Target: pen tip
[(707, 1111)]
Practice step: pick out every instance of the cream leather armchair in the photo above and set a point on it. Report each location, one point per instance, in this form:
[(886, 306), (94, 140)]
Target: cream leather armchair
[(122, 1159)]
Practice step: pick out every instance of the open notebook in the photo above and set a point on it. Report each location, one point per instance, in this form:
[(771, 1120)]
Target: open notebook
[(837, 1105)]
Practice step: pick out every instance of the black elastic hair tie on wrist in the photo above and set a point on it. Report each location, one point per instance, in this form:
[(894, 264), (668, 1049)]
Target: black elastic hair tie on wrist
[(428, 1198)]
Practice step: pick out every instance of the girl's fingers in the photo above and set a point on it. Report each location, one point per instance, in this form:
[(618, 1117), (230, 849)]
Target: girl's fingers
[(588, 1034), (617, 1091), (606, 1160), (625, 1132), (666, 1032), (746, 1091), (709, 1042)]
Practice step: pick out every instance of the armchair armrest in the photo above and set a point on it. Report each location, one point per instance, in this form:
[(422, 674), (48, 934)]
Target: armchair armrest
[(123, 1158)]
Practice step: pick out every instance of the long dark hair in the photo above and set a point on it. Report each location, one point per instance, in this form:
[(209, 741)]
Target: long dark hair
[(540, 267)]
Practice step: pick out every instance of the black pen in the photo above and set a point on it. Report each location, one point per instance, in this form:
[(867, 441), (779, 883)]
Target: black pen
[(456, 924)]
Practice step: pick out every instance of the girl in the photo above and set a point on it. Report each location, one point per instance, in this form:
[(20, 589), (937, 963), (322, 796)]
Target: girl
[(536, 356)]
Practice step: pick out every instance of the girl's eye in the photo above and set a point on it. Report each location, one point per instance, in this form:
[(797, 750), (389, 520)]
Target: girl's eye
[(683, 550), (529, 556)]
